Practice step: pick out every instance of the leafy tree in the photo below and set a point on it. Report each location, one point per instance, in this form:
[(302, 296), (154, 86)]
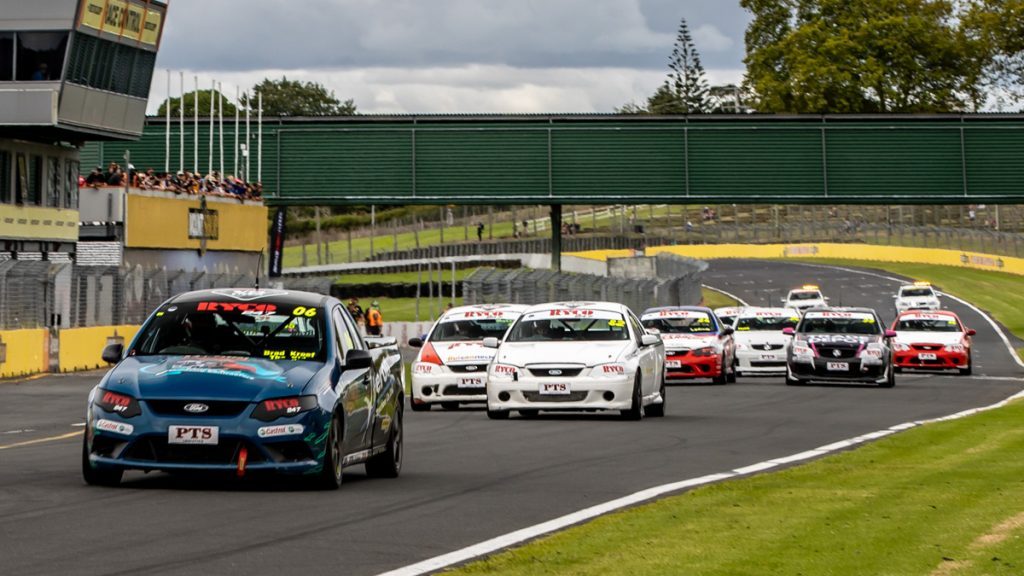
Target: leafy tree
[(998, 28), (862, 56), (688, 80), (286, 97), (204, 104)]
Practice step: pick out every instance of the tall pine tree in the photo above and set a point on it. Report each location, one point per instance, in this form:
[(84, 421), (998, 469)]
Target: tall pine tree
[(687, 78)]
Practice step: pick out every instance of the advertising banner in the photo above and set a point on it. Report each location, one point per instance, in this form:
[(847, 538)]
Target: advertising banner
[(277, 243)]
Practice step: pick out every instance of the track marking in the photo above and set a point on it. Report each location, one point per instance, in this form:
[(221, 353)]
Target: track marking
[(41, 440), (27, 378), (531, 532), (20, 431), (979, 311)]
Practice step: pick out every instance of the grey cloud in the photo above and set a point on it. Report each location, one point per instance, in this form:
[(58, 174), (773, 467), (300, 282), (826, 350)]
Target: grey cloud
[(331, 34)]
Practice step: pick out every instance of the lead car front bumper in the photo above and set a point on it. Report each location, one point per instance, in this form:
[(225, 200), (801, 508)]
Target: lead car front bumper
[(585, 393)]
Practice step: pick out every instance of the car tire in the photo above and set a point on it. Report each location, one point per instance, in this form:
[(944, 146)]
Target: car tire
[(529, 414), (420, 407), (890, 381), (98, 476), (497, 414), (388, 464), (657, 410), (332, 475), (723, 378), (970, 367), (898, 369), (731, 376), (636, 407)]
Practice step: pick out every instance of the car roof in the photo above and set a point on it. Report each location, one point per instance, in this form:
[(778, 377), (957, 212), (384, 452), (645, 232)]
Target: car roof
[(726, 309), (282, 297), (948, 313), (680, 308), (582, 305), (511, 309)]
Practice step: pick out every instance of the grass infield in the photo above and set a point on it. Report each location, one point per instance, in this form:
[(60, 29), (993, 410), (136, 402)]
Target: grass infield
[(940, 500)]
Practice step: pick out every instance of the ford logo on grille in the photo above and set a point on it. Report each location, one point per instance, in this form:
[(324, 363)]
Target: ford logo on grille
[(470, 368), (555, 372), (196, 408)]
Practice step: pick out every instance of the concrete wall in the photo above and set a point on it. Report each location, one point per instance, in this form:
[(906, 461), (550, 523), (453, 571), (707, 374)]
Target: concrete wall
[(82, 348)]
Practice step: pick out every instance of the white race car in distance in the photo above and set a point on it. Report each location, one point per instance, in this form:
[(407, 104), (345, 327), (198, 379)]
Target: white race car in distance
[(572, 356), (760, 342), (804, 298), (916, 296), (451, 367)]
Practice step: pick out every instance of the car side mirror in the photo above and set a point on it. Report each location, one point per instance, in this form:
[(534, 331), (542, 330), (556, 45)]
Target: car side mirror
[(490, 342), (653, 330), (788, 331), (826, 298), (374, 342), (890, 333), (727, 330), (416, 342), (112, 353), (971, 332), (358, 359), (650, 340)]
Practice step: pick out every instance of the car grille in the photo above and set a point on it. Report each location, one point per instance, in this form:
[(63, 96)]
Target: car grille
[(560, 372), (767, 347), (570, 397), (289, 451), (456, 391), (829, 352), (157, 450), (216, 407), (477, 369), (678, 353), (927, 347)]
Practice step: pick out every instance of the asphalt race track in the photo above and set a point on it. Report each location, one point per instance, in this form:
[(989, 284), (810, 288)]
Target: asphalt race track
[(466, 478)]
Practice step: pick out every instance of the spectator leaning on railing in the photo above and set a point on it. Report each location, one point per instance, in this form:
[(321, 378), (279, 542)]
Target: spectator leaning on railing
[(182, 182)]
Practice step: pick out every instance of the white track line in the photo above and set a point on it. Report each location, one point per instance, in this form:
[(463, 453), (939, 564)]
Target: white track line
[(991, 322), (531, 532)]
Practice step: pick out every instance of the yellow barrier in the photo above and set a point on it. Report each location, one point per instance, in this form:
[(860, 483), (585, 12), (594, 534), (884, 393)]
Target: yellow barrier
[(161, 222), (938, 256), (81, 348), (25, 352), (602, 255)]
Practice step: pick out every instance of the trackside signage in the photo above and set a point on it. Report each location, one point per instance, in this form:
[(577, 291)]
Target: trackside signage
[(131, 22)]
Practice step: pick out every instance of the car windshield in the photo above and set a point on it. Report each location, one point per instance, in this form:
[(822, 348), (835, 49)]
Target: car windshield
[(805, 295), (916, 292), (679, 322), (839, 323), (268, 330), (569, 326), (921, 324), (469, 330), (774, 322)]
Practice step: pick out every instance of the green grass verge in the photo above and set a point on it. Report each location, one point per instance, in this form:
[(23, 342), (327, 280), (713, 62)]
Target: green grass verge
[(900, 506), (713, 299), (943, 499), (401, 277), (404, 309)]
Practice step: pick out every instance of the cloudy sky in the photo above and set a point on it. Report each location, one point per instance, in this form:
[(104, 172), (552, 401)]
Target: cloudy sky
[(449, 56)]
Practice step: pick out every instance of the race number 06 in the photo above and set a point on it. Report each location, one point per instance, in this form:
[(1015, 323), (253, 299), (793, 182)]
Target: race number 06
[(303, 311)]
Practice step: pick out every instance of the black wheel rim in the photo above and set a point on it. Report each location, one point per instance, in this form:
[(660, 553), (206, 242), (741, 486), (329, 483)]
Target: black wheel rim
[(335, 449), (397, 446)]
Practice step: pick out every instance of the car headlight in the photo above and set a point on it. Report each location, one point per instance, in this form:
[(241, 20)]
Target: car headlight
[(955, 348), (901, 347), (504, 372), (706, 351), (872, 352), (616, 370), (116, 403), (803, 352)]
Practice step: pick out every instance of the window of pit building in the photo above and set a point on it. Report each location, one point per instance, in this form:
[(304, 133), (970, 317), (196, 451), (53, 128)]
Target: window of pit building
[(40, 55), (6, 56), (6, 196), (54, 177), (29, 180), (71, 169)]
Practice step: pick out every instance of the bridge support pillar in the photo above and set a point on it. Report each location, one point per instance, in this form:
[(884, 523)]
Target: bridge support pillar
[(556, 237)]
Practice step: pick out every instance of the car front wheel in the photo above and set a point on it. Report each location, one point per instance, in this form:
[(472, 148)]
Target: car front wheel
[(636, 407)]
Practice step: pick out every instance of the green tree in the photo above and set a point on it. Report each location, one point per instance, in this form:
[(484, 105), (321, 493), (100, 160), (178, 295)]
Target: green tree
[(862, 56), (998, 28), (686, 75), (204, 104), (286, 97)]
